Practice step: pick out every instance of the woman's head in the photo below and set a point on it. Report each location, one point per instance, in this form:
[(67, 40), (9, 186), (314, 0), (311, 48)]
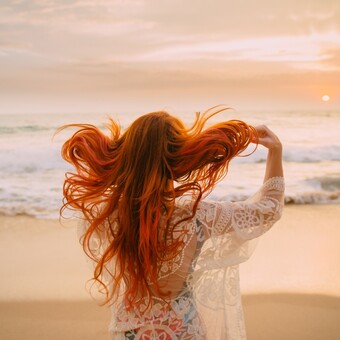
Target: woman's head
[(131, 176), (147, 146)]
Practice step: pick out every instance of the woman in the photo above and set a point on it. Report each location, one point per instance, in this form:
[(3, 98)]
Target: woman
[(166, 259)]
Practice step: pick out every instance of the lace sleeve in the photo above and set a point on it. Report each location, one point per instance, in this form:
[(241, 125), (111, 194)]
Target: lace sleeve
[(231, 229), (250, 218), (256, 215)]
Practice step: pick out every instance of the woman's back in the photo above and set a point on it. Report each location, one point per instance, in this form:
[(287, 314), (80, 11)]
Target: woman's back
[(202, 280), (169, 265)]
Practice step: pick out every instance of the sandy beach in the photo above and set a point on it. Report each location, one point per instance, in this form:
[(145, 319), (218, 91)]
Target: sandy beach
[(268, 317), (291, 284)]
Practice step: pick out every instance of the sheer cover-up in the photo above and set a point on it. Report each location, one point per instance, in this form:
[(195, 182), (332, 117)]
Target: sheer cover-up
[(203, 279)]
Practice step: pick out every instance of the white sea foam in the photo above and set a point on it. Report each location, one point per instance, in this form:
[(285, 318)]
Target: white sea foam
[(32, 171)]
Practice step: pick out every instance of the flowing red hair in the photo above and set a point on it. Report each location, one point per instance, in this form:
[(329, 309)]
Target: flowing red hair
[(124, 187)]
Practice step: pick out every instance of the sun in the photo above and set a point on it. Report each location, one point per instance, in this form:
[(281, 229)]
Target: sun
[(326, 98)]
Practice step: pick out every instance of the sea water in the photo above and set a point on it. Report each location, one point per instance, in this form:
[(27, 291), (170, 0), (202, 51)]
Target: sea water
[(32, 170)]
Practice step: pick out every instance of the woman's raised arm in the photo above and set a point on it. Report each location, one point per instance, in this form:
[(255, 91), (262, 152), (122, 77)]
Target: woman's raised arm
[(254, 216), (268, 139)]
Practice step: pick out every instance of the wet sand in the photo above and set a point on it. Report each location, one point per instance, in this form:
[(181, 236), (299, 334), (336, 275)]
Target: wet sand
[(291, 284), (268, 317), (291, 317)]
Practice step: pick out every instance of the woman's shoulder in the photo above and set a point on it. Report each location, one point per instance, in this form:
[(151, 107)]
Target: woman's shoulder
[(205, 208), (187, 204)]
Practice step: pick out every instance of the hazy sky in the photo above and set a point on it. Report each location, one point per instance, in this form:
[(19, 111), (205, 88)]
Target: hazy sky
[(89, 56)]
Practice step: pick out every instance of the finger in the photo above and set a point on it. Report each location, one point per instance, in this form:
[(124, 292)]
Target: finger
[(262, 129)]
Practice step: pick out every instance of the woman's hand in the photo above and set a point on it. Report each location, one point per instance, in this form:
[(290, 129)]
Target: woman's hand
[(267, 138)]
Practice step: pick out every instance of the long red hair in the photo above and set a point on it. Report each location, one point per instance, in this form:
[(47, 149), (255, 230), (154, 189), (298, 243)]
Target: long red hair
[(124, 187)]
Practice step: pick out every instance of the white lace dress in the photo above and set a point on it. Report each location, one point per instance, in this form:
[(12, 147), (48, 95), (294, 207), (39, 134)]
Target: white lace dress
[(203, 279)]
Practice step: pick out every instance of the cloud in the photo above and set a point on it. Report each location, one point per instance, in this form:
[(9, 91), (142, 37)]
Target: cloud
[(65, 48), (147, 31), (334, 58), (277, 49), (81, 17), (230, 19)]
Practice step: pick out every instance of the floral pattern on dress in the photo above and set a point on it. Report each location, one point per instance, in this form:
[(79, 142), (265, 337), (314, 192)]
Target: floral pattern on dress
[(216, 241)]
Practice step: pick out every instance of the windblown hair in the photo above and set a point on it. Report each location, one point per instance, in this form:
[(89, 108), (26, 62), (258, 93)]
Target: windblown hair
[(124, 187)]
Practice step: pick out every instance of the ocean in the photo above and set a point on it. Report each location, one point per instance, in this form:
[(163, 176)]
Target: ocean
[(32, 171)]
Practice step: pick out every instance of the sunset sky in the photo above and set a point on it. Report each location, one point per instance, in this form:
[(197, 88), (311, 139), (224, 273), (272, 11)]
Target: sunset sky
[(89, 56)]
